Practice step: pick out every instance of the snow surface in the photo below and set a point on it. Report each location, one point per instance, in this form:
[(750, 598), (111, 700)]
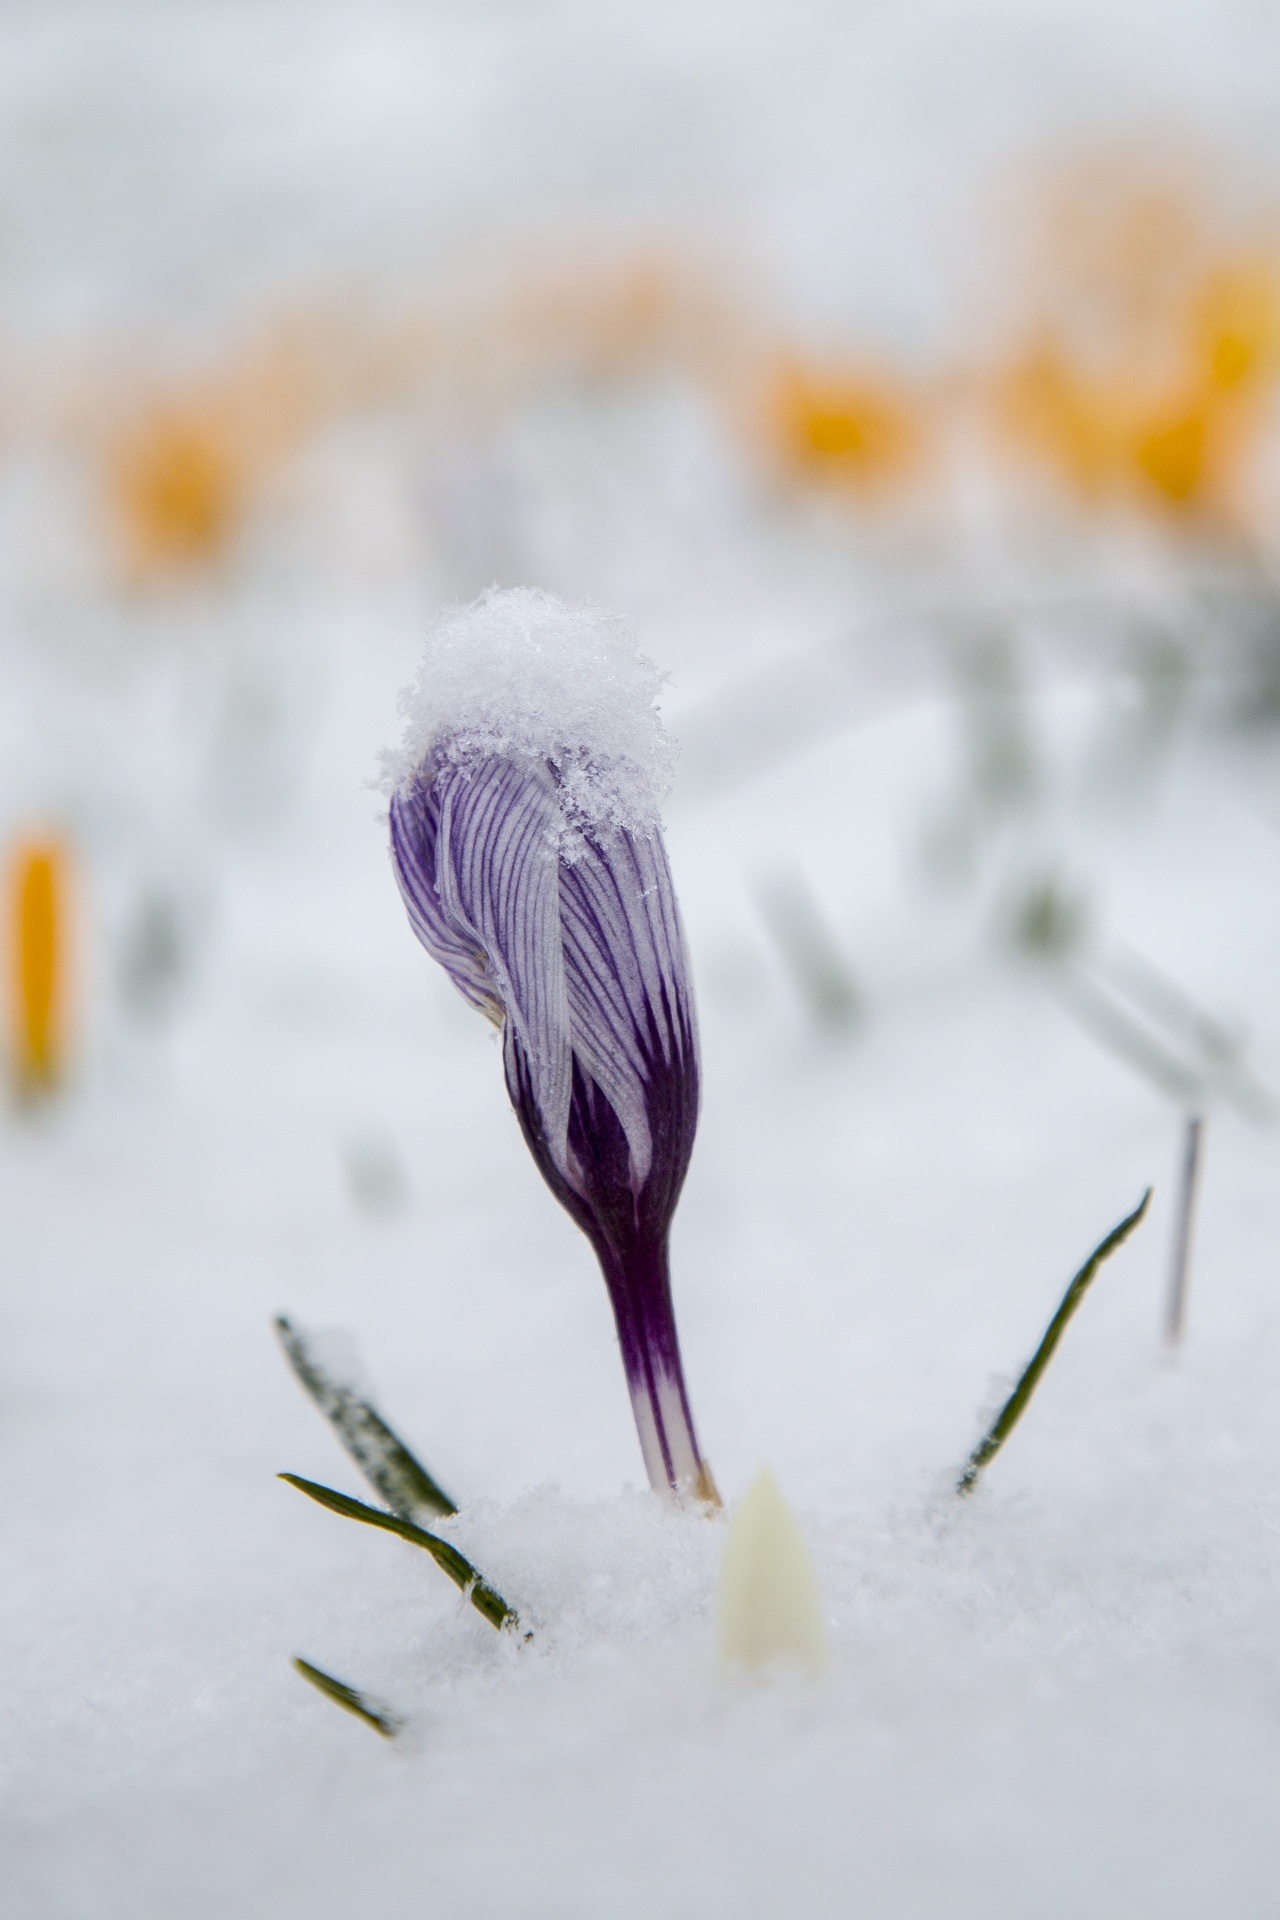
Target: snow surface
[(1059, 1698), (520, 675)]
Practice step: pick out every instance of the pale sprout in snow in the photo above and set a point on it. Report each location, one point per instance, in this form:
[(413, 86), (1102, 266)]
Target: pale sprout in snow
[(770, 1604), (527, 844)]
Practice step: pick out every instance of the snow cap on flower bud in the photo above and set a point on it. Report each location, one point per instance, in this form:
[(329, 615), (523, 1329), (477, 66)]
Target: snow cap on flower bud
[(520, 676)]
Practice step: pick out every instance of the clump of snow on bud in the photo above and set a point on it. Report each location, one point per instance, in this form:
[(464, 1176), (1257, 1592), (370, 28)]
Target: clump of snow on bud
[(770, 1605), (521, 675)]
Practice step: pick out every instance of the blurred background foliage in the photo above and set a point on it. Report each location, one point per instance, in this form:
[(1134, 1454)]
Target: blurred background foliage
[(236, 472), (1127, 364)]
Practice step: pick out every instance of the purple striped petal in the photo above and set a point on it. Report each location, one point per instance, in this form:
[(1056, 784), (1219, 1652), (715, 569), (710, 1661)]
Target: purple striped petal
[(415, 830), (628, 994), (498, 876)]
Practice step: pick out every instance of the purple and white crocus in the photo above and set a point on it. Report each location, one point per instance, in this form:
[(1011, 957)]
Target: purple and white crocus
[(527, 846)]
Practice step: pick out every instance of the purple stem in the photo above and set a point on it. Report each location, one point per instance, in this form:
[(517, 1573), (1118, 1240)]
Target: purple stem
[(645, 1318)]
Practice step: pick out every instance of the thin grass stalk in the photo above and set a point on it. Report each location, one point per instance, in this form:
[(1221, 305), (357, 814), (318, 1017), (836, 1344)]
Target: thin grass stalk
[(1180, 1271), (1015, 1406)]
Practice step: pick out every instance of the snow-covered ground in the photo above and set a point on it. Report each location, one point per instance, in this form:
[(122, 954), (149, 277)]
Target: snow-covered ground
[(1061, 1697)]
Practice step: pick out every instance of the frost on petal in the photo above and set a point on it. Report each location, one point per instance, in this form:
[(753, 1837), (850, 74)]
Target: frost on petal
[(521, 676)]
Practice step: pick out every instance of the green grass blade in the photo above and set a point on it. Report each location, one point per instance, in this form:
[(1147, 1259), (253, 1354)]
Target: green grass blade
[(1014, 1407), (484, 1598), (382, 1457), (374, 1714)]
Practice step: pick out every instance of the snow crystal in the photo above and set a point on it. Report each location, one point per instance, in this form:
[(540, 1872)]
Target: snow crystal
[(520, 674)]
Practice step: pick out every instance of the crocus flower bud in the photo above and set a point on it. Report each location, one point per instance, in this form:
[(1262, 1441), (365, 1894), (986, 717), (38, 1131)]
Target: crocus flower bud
[(527, 845)]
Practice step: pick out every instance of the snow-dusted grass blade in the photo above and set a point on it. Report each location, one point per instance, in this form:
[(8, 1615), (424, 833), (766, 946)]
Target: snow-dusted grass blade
[(1147, 1021), (484, 1598), (1003, 763), (809, 949), (1176, 1308), (374, 1713), (382, 1457), (1218, 1051), (1015, 1406), (1105, 1019)]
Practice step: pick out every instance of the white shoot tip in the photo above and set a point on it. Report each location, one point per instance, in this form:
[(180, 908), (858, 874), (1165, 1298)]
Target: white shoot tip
[(770, 1605)]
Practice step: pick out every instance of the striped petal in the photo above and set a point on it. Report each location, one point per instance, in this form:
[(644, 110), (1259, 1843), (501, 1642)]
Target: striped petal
[(627, 984), (415, 834), (494, 905)]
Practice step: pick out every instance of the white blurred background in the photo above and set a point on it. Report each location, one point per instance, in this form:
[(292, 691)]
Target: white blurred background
[(907, 376)]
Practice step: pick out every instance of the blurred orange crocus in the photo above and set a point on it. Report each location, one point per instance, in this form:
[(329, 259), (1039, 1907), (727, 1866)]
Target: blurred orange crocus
[(859, 428), (38, 966), (184, 468), (1236, 323), (179, 484), (1153, 349)]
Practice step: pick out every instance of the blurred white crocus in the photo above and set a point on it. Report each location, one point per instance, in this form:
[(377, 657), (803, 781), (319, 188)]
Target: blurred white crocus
[(527, 844)]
